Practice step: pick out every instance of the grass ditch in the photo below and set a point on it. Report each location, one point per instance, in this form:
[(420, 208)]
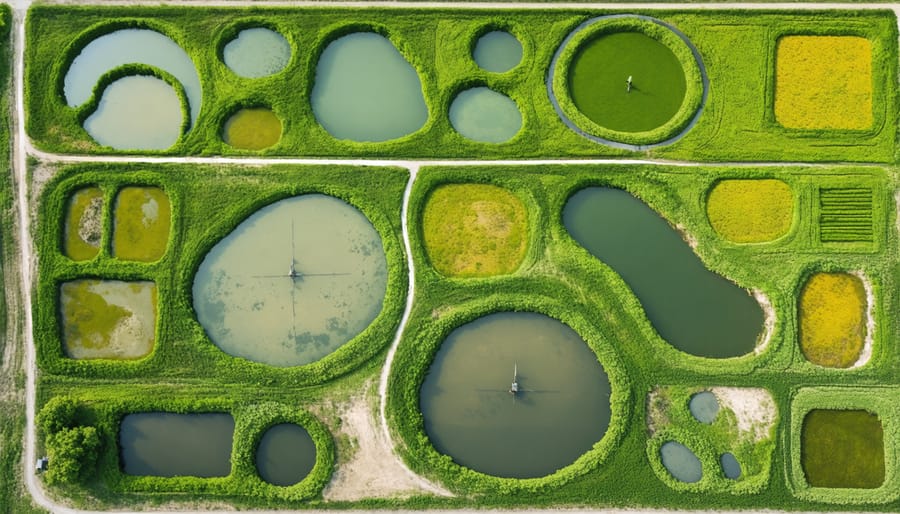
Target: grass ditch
[(737, 124)]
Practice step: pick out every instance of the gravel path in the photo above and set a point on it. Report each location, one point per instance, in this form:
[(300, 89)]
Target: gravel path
[(22, 147)]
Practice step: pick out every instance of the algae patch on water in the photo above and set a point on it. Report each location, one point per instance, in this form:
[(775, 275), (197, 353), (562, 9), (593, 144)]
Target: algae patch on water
[(143, 217), (843, 448), (832, 319), (252, 129), (84, 224), (108, 319)]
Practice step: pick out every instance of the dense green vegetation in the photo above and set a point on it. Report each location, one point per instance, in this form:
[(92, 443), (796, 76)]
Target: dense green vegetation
[(737, 122), (561, 279)]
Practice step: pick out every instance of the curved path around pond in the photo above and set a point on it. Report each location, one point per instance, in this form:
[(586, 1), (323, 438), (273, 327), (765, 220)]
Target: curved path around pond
[(20, 301)]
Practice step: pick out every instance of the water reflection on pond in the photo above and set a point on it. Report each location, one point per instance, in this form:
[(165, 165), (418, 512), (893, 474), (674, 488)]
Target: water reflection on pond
[(561, 410)]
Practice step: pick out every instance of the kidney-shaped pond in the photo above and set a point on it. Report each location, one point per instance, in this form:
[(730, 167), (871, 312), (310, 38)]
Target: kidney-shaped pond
[(694, 309), (560, 410), (293, 282)]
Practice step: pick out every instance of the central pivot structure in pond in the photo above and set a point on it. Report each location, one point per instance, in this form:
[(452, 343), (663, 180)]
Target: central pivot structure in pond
[(514, 388)]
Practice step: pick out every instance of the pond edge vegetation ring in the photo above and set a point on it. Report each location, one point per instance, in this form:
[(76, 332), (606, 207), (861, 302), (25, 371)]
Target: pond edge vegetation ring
[(696, 80), (406, 418), (881, 403)]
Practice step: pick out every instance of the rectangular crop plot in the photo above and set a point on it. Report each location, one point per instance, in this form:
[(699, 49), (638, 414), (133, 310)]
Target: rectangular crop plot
[(845, 215)]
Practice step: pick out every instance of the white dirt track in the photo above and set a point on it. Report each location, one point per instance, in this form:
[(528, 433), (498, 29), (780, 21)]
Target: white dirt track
[(22, 148)]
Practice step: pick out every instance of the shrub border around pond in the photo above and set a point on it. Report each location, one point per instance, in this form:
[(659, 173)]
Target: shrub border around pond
[(415, 361), (741, 136), (697, 439), (251, 420), (180, 341), (883, 69), (880, 401), (691, 64)]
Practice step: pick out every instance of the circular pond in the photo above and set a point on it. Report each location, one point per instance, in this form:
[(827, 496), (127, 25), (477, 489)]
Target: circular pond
[(704, 407), (252, 129), (628, 81), (497, 51), (365, 90), (292, 282), (137, 113), (257, 52), (286, 453), (560, 411), (481, 114), (681, 462)]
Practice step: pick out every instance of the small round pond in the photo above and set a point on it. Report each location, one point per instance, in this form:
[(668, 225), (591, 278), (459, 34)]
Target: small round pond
[(252, 129), (482, 114), (562, 407), (137, 113), (257, 52), (365, 90), (730, 466), (286, 453), (694, 309), (166, 445), (129, 46), (293, 282), (598, 82), (497, 51), (704, 407), (141, 224), (107, 319), (84, 224), (681, 462)]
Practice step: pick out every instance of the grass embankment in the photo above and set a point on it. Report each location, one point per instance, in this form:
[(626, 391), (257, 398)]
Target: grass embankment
[(738, 121), (141, 224), (750, 211), (823, 82), (474, 230), (832, 319), (561, 279)]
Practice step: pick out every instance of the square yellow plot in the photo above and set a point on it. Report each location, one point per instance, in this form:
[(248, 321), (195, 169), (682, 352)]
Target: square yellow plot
[(823, 82)]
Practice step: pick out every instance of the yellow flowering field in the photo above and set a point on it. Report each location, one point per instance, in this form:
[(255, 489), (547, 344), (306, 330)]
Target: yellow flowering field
[(832, 319), (823, 82), (750, 211), (474, 230)]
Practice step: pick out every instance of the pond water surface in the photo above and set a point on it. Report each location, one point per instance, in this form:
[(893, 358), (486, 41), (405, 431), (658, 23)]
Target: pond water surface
[(257, 52), (365, 90), (704, 406), (252, 129), (167, 445), (84, 224), (497, 51), (129, 46), (694, 309), (137, 113), (285, 455), (482, 114), (251, 307), (143, 217), (562, 408), (681, 462), (730, 466)]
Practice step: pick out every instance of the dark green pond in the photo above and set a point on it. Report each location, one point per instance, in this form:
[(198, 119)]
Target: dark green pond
[(842, 449), (694, 309), (285, 455), (598, 74), (167, 445), (562, 408)]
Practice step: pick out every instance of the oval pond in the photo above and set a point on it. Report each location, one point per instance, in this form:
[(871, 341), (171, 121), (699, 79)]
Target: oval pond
[(497, 51), (257, 52), (481, 114), (730, 466), (84, 224), (252, 307), (681, 462), (286, 453), (704, 407), (561, 410), (252, 129)]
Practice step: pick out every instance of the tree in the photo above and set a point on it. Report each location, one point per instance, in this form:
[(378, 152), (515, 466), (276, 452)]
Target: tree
[(73, 454), (57, 414)]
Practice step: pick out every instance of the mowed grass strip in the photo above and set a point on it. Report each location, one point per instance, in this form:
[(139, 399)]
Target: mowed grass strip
[(84, 224), (143, 216), (823, 82), (832, 319), (750, 211), (845, 215), (474, 230), (842, 448)]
